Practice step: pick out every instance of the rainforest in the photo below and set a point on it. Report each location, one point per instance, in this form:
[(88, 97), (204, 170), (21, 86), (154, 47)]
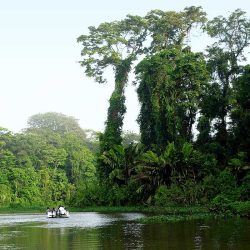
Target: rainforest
[(193, 148)]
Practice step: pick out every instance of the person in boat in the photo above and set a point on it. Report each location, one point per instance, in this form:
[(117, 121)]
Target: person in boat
[(48, 210), (54, 212), (61, 210)]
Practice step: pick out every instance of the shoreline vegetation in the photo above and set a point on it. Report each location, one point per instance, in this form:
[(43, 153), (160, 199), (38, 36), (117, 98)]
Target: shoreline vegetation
[(112, 209)]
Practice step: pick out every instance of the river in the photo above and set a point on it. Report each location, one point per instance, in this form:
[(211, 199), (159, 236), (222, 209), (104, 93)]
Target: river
[(119, 231)]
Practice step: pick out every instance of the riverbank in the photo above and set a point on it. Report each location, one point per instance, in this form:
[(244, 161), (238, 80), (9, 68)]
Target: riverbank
[(10, 210), (114, 209), (154, 214), (146, 209)]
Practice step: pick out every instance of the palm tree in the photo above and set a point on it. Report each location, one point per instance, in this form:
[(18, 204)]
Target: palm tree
[(122, 160), (154, 170)]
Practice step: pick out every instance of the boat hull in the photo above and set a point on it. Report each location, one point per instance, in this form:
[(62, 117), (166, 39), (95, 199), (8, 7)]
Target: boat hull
[(53, 214)]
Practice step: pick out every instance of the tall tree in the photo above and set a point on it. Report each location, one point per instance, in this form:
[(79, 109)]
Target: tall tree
[(114, 44), (170, 84), (167, 29), (232, 36), (171, 29), (55, 122), (240, 115), (118, 43)]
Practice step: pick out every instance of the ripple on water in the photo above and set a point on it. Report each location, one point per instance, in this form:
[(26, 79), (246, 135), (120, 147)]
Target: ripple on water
[(76, 220), (10, 246)]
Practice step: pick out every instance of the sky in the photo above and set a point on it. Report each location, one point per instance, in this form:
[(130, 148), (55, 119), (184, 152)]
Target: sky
[(38, 57)]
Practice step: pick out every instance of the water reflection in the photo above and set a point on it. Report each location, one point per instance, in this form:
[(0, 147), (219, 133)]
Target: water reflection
[(82, 220), (119, 231)]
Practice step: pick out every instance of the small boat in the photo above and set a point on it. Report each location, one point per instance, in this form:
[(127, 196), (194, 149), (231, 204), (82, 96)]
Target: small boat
[(61, 212)]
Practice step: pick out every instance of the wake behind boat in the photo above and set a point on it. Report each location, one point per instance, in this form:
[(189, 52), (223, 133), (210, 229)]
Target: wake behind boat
[(60, 212)]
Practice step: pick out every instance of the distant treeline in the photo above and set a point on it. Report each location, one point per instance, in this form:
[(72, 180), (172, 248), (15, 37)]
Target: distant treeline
[(51, 161)]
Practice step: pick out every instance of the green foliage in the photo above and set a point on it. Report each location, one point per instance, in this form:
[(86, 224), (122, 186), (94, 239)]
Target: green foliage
[(43, 165), (115, 44), (232, 32), (240, 113), (175, 218), (170, 85), (223, 205), (110, 195), (245, 188), (24, 185), (92, 140), (154, 170), (106, 44), (120, 162), (54, 161), (241, 207), (224, 58), (170, 28), (222, 185), (55, 122), (180, 169), (5, 194), (186, 194), (114, 123), (165, 196)]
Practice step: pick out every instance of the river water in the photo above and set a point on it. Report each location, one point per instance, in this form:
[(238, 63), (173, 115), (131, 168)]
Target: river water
[(119, 231)]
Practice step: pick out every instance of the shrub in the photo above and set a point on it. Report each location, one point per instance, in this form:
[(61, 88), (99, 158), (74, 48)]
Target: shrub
[(221, 203), (241, 207), (223, 184), (186, 194), (245, 188), (164, 195), (5, 194)]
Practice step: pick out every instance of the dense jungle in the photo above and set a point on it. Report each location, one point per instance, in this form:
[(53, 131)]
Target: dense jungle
[(194, 142)]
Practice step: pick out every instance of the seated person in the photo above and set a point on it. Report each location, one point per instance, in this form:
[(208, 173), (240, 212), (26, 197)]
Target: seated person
[(61, 210)]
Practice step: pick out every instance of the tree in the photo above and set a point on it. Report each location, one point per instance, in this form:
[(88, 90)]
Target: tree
[(114, 44), (28, 150), (240, 114), (169, 91), (154, 169), (121, 161), (55, 157), (232, 37), (210, 101), (55, 122), (117, 44), (170, 29), (7, 158), (25, 188), (92, 140), (80, 161)]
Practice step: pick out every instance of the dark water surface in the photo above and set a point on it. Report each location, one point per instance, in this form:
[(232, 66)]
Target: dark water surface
[(119, 231)]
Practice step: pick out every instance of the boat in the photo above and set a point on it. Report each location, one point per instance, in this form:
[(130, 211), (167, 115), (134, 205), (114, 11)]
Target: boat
[(61, 212)]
